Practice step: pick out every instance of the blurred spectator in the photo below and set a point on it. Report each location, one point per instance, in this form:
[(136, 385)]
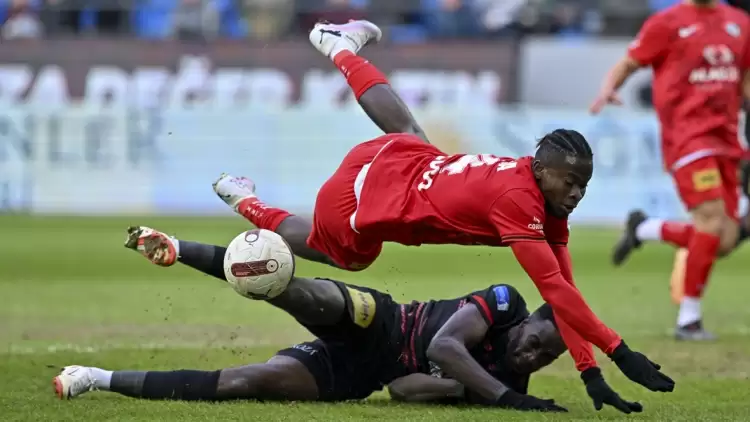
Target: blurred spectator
[(88, 16), (188, 19), (657, 5), (311, 11), (195, 20), (268, 18), (500, 17), (21, 20), (451, 18)]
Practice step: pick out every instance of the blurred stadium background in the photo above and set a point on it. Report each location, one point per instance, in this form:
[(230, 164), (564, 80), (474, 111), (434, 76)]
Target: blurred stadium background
[(123, 112)]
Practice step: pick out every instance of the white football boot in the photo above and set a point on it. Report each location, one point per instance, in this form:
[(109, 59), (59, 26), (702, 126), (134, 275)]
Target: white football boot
[(157, 247), (330, 39), (73, 381), (233, 190)]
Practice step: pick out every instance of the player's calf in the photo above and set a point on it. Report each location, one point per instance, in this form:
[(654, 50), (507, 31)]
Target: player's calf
[(282, 378), (239, 194), (341, 43)]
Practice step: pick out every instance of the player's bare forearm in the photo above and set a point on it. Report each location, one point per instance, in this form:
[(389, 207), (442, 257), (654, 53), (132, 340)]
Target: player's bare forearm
[(539, 262), (425, 388), (388, 111), (449, 349), (619, 73)]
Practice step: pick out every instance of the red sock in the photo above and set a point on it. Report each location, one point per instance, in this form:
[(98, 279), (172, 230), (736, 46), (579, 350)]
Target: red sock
[(677, 234), (360, 74), (701, 256), (261, 215)]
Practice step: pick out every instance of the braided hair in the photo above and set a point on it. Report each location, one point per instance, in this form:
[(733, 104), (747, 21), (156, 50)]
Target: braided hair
[(563, 142)]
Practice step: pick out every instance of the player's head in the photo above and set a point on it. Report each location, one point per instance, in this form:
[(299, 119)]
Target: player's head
[(535, 343), (703, 2), (563, 166)]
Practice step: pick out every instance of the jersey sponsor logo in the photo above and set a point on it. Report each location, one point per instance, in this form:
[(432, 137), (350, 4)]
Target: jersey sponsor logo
[(708, 179), (306, 348), (502, 297), (721, 66), (687, 31), (363, 307), (537, 225)]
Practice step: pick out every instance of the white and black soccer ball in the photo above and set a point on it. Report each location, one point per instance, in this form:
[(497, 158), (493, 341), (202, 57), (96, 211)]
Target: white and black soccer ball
[(259, 264)]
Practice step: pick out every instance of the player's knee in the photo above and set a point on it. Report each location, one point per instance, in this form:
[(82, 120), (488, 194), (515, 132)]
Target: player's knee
[(241, 382), (709, 217), (312, 301), (728, 239)]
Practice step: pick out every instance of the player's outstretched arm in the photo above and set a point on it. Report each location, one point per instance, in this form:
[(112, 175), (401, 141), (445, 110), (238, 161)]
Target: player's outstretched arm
[(423, 388), (651, 44), (449, 349), (615, 78), (539, 262)]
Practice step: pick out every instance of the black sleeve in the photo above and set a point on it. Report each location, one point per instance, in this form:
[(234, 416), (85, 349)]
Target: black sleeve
[(500, 305)]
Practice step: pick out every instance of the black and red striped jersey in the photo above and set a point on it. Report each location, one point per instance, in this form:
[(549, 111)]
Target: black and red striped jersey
[(502, 308)]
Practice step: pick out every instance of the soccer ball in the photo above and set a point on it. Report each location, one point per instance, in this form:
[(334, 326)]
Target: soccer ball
[(259, 264)]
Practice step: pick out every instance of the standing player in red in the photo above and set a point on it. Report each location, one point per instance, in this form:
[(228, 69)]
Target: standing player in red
[(399, 188), (700, 53)]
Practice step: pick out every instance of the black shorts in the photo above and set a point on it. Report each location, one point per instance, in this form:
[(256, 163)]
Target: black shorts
[(354, 358)]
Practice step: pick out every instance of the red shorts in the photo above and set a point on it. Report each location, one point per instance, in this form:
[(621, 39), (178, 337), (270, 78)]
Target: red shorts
[(332, 231), (708, 179)]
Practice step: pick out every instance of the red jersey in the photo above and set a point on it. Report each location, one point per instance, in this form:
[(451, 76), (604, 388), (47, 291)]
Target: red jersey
[(699, 56), (458, 199), (412, 193)]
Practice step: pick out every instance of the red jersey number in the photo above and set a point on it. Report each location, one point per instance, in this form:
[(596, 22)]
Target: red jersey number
[(459, 166)]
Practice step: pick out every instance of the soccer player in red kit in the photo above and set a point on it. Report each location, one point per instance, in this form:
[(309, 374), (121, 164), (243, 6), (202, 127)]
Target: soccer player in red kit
[(399, 188), (699, 51)]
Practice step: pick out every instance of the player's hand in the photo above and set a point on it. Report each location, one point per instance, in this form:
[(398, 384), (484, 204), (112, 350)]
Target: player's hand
[(525, 402), (601, 393), (640, 369), (604, 98)]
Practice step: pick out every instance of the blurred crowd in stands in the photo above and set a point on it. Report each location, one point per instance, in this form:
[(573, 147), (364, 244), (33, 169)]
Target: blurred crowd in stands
[(407, 21)]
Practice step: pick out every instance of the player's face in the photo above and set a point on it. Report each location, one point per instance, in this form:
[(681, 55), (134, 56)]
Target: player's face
[(535, 344), (564, 184)]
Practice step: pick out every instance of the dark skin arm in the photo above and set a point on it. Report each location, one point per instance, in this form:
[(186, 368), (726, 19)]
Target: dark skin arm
[(416, 388), (449, 349)]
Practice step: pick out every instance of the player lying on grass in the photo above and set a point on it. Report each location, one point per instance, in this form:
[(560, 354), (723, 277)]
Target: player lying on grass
[(700, 54), (480, 348), (399, 188)]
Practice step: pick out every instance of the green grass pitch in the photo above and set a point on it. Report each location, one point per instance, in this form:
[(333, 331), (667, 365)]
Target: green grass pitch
[(71, 294)]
